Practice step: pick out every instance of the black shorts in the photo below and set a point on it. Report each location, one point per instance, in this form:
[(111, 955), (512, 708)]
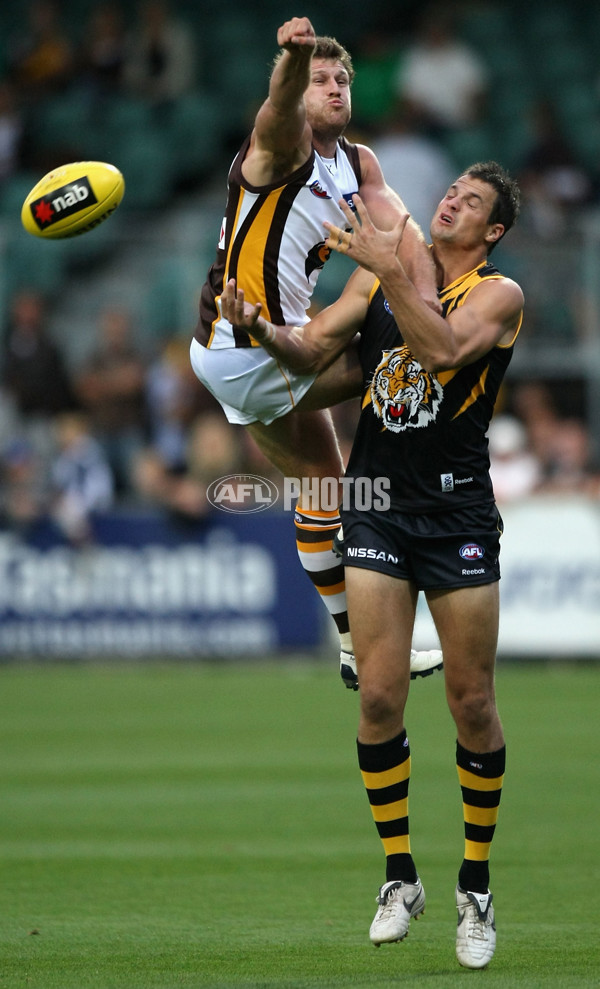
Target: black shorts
[(449, 549)]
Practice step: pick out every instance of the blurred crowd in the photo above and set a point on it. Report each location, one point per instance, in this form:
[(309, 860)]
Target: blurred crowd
[(126, 427), (154, 57), (426, 105), (130, 424), (424, 93), (129, 427)]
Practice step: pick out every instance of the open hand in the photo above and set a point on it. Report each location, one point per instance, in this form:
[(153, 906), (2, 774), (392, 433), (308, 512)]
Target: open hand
[(237, 310), (373, 249)]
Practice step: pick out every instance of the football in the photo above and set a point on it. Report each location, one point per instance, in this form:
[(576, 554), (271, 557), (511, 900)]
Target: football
[(72, 199)]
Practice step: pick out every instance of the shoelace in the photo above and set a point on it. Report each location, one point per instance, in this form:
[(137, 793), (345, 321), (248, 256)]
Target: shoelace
[(477, 925), (386, 908)]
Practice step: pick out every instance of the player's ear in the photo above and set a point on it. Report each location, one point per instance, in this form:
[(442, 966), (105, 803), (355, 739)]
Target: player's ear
[(494, 233)]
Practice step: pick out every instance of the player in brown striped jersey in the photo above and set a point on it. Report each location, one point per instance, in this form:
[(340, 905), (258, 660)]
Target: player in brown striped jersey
[(430, 386), (285, 182)]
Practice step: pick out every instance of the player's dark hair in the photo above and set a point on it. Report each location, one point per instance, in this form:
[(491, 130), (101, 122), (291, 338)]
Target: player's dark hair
[(329, 48), (508, 195)]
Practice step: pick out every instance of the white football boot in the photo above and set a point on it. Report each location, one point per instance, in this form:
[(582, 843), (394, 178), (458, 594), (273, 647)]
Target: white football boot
[(476, 931), (348, 669), (398, 903), (422, 664)]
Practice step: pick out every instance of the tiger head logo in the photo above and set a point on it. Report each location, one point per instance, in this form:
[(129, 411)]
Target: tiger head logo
[(404, 395)]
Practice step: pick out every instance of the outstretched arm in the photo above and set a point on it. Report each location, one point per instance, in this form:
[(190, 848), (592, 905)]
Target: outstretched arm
[(281, 139), (311, 348), (490, 315), (386, 208)]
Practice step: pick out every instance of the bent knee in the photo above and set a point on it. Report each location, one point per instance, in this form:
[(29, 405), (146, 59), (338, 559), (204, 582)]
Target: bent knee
[(473, 711), (380, 706)]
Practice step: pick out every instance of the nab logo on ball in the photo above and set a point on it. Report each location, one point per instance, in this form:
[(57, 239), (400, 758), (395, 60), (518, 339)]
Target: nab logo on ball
[(66, 201), (242, 493), (72, 199)]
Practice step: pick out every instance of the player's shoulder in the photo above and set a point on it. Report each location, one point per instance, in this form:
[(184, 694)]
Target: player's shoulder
[(493, 279), (488, 275), (510, 285), (513, 292), (370, 170), (366, 154), (498, 293)]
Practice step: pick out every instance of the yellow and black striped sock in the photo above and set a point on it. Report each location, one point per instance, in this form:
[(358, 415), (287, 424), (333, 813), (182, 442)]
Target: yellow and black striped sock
[(385, 770), (314, 540), (480, 776)]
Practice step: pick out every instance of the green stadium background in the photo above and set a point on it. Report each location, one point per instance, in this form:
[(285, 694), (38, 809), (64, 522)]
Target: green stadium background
[(155, 250)]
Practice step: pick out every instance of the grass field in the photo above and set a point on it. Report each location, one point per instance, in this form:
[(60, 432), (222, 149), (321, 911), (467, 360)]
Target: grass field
[(178, 826)]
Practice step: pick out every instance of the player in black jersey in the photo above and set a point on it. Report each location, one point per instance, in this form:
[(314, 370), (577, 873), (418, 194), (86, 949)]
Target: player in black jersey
[(430, 383)]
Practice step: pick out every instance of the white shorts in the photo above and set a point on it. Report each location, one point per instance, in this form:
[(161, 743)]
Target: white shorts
[(249, 384)]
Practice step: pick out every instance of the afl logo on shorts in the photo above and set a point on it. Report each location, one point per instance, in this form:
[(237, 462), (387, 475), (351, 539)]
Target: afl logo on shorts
[(471, 551)]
